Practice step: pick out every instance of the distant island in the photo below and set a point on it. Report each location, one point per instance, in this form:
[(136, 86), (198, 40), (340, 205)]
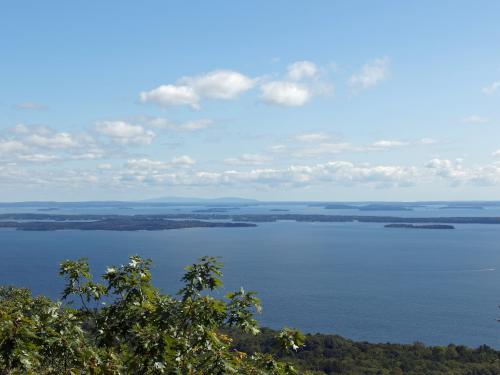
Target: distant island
[(425, 226), (368, 207), (340, 206), (118, 223), (462, 208), (384, 207), (39, 221)]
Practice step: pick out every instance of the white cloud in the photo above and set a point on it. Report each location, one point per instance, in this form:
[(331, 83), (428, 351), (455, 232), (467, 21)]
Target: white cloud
[(330, 149), (195, 125), (496, 153), (312, 137), (284, 93), (319, 145), (229, 84), (124, 133), (371, 74), (299, 87), (19, 129), (53, 141), (475, 119), (39, 158), (249, 159), (146, 164), (457, 174), (11, 147), (171, 95), (184, 160), (443, 167), (302, 69), (335, 172), (188, 126), (389, 144), (92, 154), (492, 88), (147, 173), (218, 84), (42, 144)]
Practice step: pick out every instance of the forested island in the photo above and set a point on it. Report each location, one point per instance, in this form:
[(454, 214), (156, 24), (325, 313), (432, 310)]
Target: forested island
[(42, 221), (368, 207), (462, 208), (425, 226), (120, 223)]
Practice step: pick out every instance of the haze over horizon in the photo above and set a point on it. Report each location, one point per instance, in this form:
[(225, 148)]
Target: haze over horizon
[(352, 101)]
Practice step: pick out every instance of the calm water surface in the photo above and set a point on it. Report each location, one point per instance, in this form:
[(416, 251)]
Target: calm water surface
[(361, 281)]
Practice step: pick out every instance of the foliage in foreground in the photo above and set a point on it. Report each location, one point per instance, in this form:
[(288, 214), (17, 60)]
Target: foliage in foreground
[(331, 354), (124, 325)]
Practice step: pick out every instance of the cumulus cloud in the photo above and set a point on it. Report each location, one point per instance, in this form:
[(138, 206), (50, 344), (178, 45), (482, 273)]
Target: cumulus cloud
[(218, 84), (456, 173), (475, 119), (53, 141), (146, 164), (444, 167), (180, 171), (11, 147), (496, 153), (283, 93), (183, 160), (317, 144), (329, 148), (371, 74), (299, 86), (492, 88), (125, 133), (90, 154), (171, 95), (38, 158), (335, 172), (302, 69), (332, 173), (23, 143), (229, 84)]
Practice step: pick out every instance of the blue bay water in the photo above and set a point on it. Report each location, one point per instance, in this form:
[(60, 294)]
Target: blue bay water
[(362, 281)]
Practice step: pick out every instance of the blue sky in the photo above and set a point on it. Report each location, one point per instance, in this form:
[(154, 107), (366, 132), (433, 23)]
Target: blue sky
[(279, 100)]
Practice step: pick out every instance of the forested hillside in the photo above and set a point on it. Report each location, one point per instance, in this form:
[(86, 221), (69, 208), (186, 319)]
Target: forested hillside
[(333, 354)]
